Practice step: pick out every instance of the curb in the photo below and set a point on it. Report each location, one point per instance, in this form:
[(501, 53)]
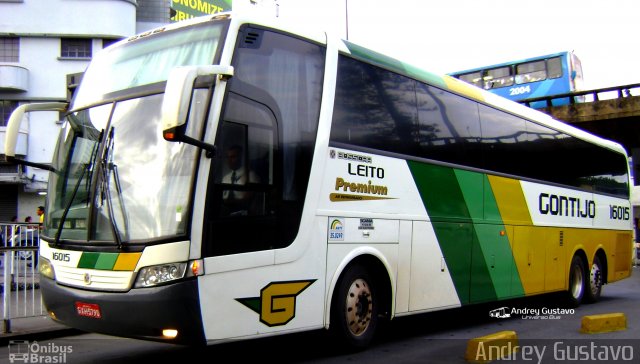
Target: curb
[(607, 322)]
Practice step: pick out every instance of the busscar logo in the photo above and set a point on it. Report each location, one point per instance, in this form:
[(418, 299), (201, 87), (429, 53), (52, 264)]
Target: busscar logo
[(277, 302)]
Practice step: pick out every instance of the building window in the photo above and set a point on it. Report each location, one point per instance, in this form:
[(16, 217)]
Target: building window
[(9, 49), (6, 108), (158, 10), (75, 48)]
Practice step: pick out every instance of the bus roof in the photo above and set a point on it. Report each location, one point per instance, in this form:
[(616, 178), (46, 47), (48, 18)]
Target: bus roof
[(442, 81)]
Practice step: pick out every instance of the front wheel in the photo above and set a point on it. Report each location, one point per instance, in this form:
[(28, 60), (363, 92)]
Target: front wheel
[(577, 279), (596, 280), (354, 308)]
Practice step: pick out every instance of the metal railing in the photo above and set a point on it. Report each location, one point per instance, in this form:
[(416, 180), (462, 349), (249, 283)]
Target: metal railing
[(19, 270), (588, 95)]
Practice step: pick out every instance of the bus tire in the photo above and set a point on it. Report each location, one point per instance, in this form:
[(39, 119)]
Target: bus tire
[(594, 286), (354, 309), (577, 282)]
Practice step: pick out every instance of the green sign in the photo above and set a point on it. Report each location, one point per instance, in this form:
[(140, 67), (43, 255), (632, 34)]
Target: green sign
[(187, 9)]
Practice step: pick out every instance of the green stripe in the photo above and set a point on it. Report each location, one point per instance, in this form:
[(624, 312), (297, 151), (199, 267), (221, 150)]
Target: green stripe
[(478, 254), (392, 64), (106, 261), (471, 188), (88, 260), (92, 260)]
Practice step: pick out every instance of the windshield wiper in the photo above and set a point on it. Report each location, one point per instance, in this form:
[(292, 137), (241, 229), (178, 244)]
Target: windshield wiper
[(85, 168), (107, 167)]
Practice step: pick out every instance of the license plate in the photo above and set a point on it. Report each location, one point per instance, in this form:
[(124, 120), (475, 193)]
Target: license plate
[(90, 310)]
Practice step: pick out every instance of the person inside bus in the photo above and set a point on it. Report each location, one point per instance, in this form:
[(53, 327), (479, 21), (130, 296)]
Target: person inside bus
[(236, 198)]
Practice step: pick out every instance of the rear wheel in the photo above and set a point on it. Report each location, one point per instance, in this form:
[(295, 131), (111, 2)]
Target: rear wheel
[(354, 308), (596, 279), (577, 280)]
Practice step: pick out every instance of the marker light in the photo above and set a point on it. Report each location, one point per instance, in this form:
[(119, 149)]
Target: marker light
[(169, 333), (169, 135), (196, 268)]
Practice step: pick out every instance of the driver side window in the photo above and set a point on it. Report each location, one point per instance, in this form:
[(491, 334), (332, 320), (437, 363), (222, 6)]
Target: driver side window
[(244, 166), (264, 142)]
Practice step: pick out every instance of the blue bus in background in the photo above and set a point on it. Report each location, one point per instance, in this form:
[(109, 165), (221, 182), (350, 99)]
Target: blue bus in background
[(548, 75)]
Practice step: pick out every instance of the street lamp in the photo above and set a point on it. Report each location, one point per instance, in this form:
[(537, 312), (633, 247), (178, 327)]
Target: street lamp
[(346, 16)]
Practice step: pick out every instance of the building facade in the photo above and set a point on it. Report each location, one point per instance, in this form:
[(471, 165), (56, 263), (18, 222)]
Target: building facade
[(45, 45), (41, 43)]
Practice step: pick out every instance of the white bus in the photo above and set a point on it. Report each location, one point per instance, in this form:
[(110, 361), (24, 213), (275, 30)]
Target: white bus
[(226, 178)]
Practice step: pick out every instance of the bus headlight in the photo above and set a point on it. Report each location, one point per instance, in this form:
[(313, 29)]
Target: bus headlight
[(46, 269), (160, 274)]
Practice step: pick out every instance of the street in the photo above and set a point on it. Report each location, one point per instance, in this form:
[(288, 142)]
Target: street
[(439, 337)]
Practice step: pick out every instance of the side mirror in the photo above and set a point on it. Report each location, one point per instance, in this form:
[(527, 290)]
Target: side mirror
[(13, 128), (177, 99)]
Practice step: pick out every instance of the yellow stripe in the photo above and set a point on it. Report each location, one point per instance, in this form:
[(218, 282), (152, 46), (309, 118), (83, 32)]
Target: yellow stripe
[(511, 201), (463, 88), (127, 261)]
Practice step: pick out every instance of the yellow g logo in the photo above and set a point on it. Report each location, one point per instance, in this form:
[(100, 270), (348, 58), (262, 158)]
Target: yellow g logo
[(277, 302)]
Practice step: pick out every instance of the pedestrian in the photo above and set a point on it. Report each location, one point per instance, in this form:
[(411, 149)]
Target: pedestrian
[(40, 212)]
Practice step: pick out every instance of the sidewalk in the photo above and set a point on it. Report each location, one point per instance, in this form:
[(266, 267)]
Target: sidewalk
[(35, 329)]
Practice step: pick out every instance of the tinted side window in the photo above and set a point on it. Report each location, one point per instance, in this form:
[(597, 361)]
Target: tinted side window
[(596, 168), (560, 158), (547, 149), (449, 127), (504, 140), (374, 108), (609, 173)]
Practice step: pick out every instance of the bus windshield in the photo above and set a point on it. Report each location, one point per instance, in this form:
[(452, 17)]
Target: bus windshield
[(108, 187), (126, 66), (103, 160)]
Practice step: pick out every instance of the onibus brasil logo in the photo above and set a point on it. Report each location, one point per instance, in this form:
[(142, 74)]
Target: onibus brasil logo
[(31, 352), (277, 302)]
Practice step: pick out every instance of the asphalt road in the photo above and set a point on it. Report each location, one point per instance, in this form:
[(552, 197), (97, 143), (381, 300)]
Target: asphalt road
[(440, 337)]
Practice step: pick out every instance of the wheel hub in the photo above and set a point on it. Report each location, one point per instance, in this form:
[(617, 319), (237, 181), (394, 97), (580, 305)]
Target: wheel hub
[(359, 307), (596, 278)]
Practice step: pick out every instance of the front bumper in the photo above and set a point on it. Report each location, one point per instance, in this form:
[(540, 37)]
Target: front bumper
[(139, 313)]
